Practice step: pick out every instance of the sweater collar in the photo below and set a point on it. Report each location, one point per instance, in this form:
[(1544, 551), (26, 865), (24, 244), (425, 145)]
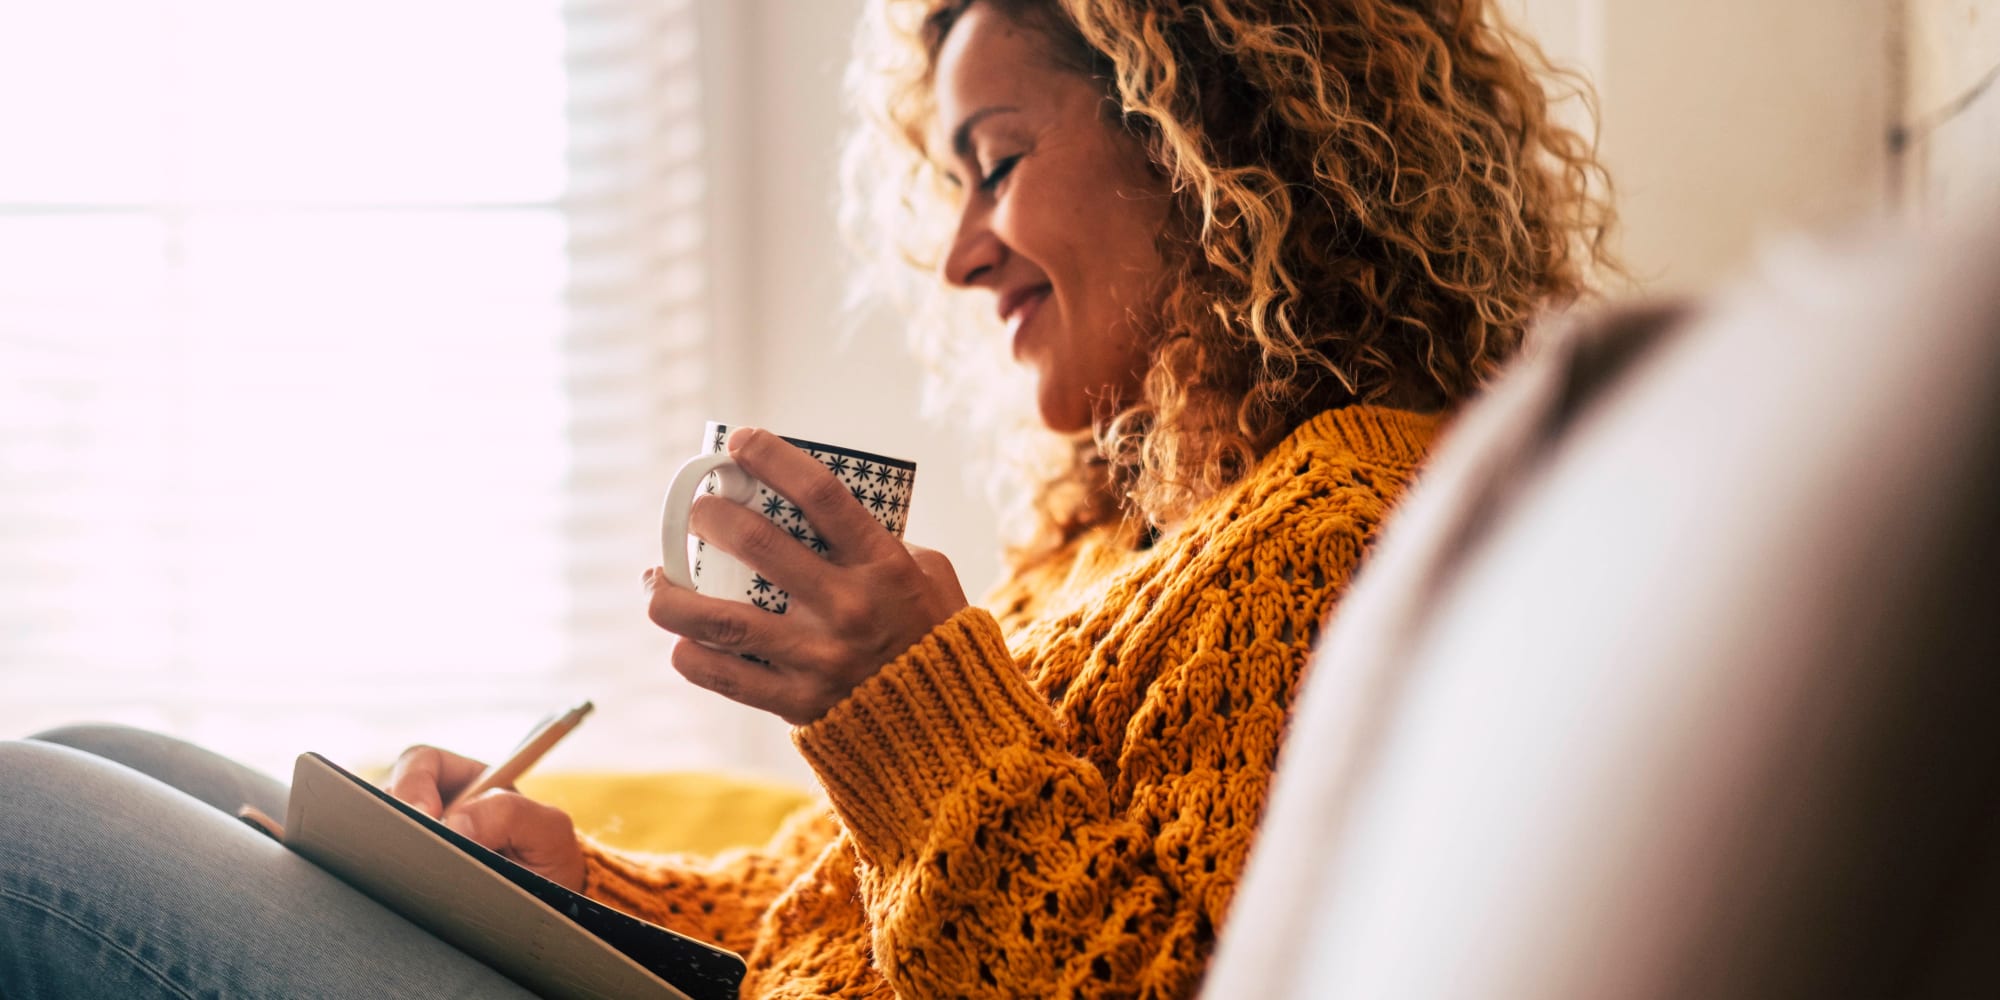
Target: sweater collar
[(1374, 435), (1377, 434)]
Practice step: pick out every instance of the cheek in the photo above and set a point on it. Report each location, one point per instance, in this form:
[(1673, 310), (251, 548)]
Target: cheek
[(1129, 220), (1039, 224), (1127, 254)]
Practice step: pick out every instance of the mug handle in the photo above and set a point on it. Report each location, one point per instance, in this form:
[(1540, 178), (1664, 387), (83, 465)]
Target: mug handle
[(734, 485)]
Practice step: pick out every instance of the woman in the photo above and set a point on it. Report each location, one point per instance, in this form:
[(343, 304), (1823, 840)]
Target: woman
[(1251, 262)]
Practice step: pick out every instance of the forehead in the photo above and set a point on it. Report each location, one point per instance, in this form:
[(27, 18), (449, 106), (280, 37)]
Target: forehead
[(987, 59)]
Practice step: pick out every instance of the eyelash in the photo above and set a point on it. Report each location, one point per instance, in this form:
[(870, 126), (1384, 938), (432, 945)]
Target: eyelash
[(1001, 169)]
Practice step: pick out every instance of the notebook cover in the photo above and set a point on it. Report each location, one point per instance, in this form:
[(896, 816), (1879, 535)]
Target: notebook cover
[(551, 940)]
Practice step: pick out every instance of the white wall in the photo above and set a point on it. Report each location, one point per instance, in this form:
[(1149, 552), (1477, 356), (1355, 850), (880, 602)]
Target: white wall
[(1726, 122)]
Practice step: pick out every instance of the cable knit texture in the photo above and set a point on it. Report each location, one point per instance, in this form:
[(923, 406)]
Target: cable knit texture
[(1056, 798)]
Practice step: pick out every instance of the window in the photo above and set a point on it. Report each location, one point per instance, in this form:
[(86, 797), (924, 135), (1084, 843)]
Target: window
[(343, 351)]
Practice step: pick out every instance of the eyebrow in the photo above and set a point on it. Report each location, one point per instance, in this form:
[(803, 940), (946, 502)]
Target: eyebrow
[(961, 137)]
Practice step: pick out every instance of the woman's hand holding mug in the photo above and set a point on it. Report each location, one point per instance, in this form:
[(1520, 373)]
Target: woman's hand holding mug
[(812, 534)]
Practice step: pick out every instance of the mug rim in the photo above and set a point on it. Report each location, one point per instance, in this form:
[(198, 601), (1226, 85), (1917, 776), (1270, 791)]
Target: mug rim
[(879, 459)]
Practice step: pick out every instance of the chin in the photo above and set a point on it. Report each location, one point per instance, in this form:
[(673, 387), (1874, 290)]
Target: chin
[(1064, 423), (1062, 415), (1056, 413)]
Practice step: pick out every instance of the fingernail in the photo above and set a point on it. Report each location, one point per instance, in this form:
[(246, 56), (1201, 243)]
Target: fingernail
[(458, 824), (740, 437), (646, 578)]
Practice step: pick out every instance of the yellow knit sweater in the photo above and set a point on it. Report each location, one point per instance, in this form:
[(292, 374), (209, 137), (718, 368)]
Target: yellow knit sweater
[(1055, 798)]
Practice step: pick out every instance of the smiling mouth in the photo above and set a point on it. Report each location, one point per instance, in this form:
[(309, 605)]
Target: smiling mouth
[(1017, 307)]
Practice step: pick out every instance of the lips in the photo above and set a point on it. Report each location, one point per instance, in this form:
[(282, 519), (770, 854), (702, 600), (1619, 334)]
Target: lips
[(1016, 307)]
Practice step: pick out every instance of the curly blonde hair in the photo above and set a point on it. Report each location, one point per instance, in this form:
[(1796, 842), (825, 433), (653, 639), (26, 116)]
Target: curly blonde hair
[(1371, 201)]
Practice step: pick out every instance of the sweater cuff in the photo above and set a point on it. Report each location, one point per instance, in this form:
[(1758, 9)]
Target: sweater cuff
[(939, 714), (596, 867), (608, 877)]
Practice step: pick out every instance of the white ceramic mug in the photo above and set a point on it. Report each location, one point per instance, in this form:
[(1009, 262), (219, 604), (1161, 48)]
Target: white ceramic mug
[(881, 484)]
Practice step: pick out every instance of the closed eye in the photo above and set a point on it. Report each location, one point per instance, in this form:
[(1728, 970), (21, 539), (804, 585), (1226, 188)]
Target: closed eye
[(998, 173)]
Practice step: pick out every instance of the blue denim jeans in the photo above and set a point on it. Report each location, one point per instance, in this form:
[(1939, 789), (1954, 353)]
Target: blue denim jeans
[(124, 873)]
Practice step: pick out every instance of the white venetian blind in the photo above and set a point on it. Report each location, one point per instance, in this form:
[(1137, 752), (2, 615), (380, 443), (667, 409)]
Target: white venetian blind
[(343, 351)]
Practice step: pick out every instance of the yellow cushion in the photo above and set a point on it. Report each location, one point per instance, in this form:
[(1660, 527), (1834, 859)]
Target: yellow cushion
[(691, 811)]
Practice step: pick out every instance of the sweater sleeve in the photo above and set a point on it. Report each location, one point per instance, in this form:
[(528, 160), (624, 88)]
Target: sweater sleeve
[(720, 900), (996, 861)]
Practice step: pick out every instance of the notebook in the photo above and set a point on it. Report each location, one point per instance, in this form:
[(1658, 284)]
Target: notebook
[(552, 941)]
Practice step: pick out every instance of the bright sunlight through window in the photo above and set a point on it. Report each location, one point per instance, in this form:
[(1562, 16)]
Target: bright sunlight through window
[(296, 302)]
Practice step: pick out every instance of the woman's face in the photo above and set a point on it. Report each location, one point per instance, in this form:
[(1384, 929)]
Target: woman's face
[(1058, 213)]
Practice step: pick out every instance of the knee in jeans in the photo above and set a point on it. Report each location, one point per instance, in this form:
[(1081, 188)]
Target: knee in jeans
[(43, 784), (100, 737)]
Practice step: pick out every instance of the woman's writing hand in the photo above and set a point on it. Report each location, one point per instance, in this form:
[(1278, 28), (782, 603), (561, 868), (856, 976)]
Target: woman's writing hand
[(537, 837), (861, 605)]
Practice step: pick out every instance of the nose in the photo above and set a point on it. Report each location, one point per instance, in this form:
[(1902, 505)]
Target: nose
[(975, 252)]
